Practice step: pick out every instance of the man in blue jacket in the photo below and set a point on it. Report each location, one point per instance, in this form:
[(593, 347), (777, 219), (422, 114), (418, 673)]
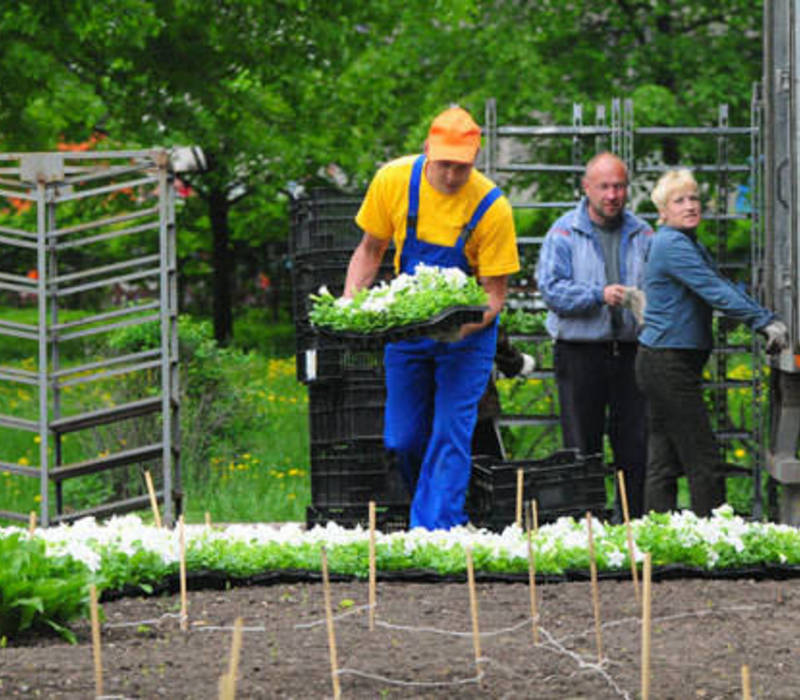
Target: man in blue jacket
[(590, 266)]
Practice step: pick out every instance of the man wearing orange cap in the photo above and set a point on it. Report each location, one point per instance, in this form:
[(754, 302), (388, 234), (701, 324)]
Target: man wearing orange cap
[(439, 211)]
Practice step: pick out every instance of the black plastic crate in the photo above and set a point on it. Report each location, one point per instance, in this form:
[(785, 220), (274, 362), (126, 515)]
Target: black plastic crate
[(565, 483), (324, 361), (312, 271), (392, 518), (324, 219), (354, 472), (342, 411)]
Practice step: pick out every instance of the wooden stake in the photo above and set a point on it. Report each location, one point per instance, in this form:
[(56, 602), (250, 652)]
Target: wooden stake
[(372, 566), (746, 682), (32, 523), (228, 681), (532, 583), (598, 632), (646, 602), (520, 488), (98, 660), (535, 508), (184, 603), (208, 519), (326, 587), (224, 687), (629, 531), (153, 500), (473, 605)]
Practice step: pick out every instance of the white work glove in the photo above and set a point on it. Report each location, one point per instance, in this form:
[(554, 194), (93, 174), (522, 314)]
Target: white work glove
[(528, 365), (777, 335), (635, 301)]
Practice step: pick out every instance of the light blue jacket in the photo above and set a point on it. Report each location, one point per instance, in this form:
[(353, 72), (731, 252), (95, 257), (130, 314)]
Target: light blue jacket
[(682, 286), (571, 275)]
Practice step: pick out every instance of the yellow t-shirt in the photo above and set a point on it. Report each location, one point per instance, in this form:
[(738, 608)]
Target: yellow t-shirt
[(491, 249)]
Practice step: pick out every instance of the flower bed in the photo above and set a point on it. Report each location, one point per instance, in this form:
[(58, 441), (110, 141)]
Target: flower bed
[(124, 552)]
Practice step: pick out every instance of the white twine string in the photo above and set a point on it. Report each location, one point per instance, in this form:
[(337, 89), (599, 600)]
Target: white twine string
[(553, 645), (668, 618)]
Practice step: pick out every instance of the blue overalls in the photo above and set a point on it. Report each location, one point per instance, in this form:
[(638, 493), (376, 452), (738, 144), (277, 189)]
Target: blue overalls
[(433, 388)]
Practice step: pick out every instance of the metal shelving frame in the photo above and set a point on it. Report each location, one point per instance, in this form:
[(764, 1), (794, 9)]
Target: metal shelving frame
[(134, 191)]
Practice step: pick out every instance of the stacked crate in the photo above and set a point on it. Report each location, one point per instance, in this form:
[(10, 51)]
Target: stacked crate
[(563, 484), (346, 387)]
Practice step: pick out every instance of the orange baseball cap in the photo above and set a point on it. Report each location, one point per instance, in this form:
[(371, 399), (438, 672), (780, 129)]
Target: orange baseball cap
[(455, 136)]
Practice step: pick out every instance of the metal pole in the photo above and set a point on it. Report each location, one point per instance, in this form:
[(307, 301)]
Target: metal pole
[(42, 380), (490, 127), (627, 135), (164, 314), (600, 119), (757, 263), (577, 144)]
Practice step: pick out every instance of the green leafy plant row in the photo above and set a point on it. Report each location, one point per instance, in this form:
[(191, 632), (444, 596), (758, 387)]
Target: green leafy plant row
[(44, 583)]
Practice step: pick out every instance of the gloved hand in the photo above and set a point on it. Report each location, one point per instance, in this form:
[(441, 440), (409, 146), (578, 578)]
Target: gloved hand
[(526, 370), (635, 300), (777, 335), (528, 365)]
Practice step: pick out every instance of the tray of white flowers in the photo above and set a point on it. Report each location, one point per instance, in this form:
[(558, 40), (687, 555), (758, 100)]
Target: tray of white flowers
[(433, 302)]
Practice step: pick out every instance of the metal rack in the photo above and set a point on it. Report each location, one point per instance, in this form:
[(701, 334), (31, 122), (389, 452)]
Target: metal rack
[(81, 204)]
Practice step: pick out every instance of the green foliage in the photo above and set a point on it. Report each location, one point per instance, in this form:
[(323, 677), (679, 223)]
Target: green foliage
[(212, 406), (256, 329), (234, 405), (519, 321), (37, 591)]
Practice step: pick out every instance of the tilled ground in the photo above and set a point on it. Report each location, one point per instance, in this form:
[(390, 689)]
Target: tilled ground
[(703, 632)]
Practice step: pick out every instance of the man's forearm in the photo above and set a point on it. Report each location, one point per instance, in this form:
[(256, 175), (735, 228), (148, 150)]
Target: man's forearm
[(364, 264), (496, 288)]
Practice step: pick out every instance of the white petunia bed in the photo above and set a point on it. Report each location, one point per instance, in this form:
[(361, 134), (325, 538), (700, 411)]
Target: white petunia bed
[(124, 551)]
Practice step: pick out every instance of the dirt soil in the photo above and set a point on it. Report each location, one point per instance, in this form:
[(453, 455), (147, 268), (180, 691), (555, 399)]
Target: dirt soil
[(703, 632)]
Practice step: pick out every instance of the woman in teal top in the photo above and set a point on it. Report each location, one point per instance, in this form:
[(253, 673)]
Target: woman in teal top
[(683, 286)]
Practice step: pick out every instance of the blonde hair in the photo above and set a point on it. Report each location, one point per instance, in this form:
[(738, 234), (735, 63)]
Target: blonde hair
[(672, 181)]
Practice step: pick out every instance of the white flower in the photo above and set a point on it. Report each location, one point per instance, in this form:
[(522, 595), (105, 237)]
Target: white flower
[(615, 558), (455, 277)]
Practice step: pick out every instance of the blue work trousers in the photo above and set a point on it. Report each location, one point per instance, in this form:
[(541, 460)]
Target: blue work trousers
[(433, 389)]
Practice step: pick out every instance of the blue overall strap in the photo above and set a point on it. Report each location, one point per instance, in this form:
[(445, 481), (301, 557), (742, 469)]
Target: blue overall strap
[(413, 197), (488, 199)]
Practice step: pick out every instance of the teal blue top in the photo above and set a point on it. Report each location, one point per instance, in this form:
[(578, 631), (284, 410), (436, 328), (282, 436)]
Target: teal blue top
[(683, 285)]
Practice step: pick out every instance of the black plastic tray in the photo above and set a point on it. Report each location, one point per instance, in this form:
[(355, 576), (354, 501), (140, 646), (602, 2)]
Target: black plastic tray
[(446, 320)]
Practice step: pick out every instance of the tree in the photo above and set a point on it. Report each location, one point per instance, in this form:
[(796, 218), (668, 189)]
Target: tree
[(239, 79), (276, 90)]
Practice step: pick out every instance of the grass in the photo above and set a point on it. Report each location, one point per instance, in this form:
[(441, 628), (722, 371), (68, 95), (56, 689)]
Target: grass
[(264, 473)]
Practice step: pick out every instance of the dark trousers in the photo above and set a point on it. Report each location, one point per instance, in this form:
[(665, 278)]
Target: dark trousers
[(680, 436), (598, 393)]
